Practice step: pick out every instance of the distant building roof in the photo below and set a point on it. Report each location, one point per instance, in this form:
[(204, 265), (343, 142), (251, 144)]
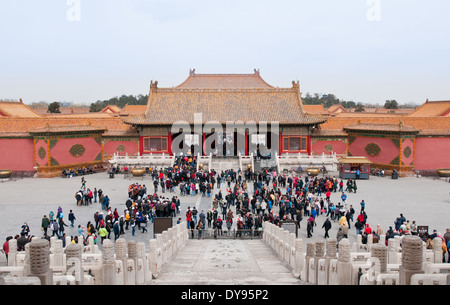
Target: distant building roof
[(16, 110), (432, 109), (336, 109), (111, 109), (314, 109), (52, 129), (133, 109), (366, 126)]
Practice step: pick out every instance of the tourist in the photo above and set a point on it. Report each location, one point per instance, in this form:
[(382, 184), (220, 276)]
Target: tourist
[(358, 226), (188, 217), (379, 230), (121, 224), (45, 223), (209, 216), (326, 226), (339, 235), (22, 241), (310, 226), (51, 215), (54, 226), (71, 218), (132, 225), (363, 205), (106, 202), (219, 224), (5, 248), (61, 225), (448, 252), (103, 233), (229, 224), (413, 228), (202, 217), (25, 229), (81, 232), (199, 228), (116, 229)]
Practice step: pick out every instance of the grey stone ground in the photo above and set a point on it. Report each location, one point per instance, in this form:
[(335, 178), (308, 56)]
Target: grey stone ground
[(425, 200)]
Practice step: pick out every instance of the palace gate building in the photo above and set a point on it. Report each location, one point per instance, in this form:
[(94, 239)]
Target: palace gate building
[(222, 115)]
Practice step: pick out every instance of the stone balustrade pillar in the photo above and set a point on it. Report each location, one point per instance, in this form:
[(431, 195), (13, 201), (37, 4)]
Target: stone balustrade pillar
[(412, 258), (40, 261), (108, 263), (344, 265), (12, 255), (74, 259)]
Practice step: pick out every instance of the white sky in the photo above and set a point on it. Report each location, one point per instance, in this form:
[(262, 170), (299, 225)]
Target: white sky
[(330, 46)]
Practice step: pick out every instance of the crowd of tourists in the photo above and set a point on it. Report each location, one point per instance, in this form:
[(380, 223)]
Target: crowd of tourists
[(249, 200)]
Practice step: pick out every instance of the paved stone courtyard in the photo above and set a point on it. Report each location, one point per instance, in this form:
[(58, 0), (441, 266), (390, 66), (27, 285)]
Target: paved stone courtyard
[(425, 200)]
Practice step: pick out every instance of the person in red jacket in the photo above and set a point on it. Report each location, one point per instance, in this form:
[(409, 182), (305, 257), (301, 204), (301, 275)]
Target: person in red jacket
[(6, 247), (188, 216), (367, 230)]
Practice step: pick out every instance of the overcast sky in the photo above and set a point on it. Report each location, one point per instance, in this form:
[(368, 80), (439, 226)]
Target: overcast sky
[(362, 50)]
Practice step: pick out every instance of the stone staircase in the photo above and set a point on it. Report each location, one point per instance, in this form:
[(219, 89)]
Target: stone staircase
[(265, 164), (219, 164), (226, 262)]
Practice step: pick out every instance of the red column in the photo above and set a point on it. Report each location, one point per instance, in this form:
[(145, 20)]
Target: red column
[(246, 144), (141, 145), (203, 144), (308, 144), (169, 144), (280, 143)]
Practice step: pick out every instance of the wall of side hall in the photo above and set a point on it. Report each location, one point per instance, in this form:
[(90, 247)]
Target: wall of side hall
[(432, 153), (17, 154)]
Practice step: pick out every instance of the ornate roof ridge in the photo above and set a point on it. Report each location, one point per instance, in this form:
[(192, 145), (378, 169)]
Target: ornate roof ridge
[(256, 80), (212, 89)]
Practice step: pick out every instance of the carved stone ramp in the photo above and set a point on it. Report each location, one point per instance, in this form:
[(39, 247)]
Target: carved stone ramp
[(226, 262)]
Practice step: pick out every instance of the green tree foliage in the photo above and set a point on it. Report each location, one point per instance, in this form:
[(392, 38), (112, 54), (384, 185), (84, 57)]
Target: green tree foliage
[(95, 107), (359, 107), (326, 100), (391, 104), (54, 107), (120, 102)]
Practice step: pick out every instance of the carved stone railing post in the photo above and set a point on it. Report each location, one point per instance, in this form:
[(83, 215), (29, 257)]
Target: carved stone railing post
[(331, 252), (412, 258), (121, 255), (40, 261), (319, 255), (12, 260), (131, 263), (299, 259), (74, 258), (152, 256), (310, 252), (345, 265), (108, 263)]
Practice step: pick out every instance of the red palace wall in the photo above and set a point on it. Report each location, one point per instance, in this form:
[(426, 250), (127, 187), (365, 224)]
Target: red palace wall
[(41, 153), (122, 148), (388, 150), (407, 152), (17, 154), (65, 152), (432, 153), (327, 146)]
